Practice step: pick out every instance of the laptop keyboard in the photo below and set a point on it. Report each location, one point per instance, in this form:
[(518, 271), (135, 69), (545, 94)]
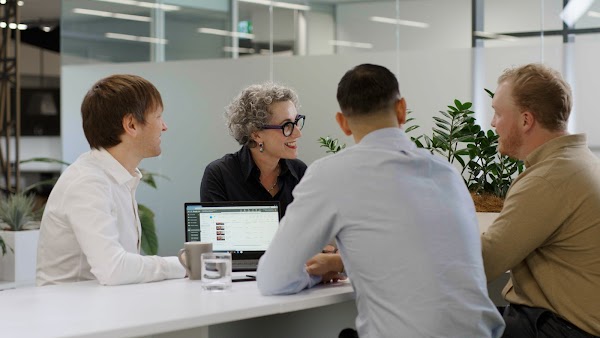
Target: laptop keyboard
[(244, 264)]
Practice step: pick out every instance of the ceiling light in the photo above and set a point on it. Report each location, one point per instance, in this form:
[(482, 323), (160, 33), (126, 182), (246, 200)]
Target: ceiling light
[(490, 35), (350, 44), (2, 2), (399, 22), (13, 25), (225, 33), (278, 4), (238, 49), (46, 28), (144, 4), (111, 15), (574, 10), (136, 38), (593, 14), (20, 3)]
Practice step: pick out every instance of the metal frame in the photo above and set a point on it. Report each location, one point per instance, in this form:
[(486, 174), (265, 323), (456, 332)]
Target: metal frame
[(10, 119), (567, 33)]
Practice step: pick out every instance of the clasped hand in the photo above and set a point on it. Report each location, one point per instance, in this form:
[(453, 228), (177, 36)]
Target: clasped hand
[(327, 265)]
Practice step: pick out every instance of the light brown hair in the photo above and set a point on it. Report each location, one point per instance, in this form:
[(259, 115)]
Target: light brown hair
[(542, 91)]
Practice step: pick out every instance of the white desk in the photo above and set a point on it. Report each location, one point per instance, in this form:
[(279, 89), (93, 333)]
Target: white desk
[(177, 308)]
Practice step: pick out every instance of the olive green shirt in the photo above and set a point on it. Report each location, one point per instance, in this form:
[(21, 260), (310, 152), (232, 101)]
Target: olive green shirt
[(548, 233)]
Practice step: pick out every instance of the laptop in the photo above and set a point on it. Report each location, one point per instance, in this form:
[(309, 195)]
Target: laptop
[(244, 229)]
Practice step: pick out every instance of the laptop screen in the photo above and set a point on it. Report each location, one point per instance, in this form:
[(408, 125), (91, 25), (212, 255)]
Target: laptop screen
[(242, 228)]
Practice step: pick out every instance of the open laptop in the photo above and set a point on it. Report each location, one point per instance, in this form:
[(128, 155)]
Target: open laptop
[(245, 229)]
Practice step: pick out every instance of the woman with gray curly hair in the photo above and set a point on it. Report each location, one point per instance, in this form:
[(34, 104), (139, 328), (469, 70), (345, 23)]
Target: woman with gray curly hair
[(264, 120)]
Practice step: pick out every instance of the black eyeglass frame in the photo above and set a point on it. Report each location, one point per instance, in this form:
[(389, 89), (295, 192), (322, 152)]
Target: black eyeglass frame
[(293, 124)]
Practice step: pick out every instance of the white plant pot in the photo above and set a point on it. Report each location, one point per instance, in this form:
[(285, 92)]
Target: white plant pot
[(18, 265), (486, 219)]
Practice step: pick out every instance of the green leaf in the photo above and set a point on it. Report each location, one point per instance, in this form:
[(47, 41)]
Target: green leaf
[(44, 160), (149, 241), (446, 114), (442, 121), (443, 126), (411, 128), (442, 133)]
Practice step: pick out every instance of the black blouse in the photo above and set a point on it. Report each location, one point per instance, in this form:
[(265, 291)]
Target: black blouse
[(235, 177)]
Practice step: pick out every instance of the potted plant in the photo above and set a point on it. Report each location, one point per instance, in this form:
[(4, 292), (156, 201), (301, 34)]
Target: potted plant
[(19, 224), (458, 138)]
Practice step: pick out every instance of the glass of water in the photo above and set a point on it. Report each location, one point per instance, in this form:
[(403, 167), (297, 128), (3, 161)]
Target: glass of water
[(216, 271)]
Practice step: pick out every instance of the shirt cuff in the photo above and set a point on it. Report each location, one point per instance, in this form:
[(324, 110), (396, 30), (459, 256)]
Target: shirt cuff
[(314, 280), (175, 269)]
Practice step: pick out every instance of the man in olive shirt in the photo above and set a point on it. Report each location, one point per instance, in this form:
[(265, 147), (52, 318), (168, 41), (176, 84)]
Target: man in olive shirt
[(548, 233)]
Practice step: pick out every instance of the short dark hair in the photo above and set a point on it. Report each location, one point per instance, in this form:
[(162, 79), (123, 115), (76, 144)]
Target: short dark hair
[(542, 91), (109, 101), (367, 89)]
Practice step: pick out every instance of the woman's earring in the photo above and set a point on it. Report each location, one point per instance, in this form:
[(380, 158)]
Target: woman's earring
[(261, 147)]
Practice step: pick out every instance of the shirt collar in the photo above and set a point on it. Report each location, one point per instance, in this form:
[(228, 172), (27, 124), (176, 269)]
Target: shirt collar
[(114, 169), (394, 138), (548, 148), (248, 165)]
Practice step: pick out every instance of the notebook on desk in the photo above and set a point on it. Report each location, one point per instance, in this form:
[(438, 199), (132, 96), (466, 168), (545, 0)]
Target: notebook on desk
[(245, 229)]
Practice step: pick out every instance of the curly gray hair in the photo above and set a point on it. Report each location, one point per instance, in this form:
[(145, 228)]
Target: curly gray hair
[(249, 111)]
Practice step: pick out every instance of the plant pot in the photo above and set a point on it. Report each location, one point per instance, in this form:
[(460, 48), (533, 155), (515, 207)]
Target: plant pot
[(18, 265), (485, 219)]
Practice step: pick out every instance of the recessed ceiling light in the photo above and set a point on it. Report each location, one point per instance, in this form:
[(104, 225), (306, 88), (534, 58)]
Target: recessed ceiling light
[(399, 22), (351, 44), (144, 4), (574, 10), (136, 38), (225, 33), (111, 15), (593, 14), (278, 4), (238, 49)]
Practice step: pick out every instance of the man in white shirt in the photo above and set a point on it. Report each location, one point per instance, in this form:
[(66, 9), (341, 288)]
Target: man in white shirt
[(90, 228), (403, 221)]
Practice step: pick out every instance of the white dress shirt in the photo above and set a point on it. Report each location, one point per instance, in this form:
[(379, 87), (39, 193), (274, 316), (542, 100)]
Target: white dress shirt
[(91, 230), (407, 232)]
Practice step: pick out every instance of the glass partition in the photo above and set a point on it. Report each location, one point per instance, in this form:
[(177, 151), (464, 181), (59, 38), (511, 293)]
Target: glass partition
[(440, 50)]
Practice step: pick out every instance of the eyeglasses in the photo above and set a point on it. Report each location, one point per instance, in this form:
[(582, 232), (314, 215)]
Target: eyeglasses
[(288, 128)]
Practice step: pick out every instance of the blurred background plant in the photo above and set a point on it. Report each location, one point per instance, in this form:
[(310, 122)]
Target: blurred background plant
[(332, 145), (17, 212)]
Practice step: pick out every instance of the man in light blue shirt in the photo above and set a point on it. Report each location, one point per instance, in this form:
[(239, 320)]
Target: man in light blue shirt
[(403, 220)]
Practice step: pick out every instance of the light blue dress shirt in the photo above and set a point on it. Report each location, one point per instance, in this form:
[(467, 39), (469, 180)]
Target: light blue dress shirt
[(406, 228)]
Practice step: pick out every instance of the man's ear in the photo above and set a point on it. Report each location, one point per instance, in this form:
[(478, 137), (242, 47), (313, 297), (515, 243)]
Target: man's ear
[(400, 108), (130, 125), (527, 121), (343, 123)]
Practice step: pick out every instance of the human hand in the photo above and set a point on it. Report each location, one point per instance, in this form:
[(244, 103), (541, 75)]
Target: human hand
[(329, 266), (329, 249)]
